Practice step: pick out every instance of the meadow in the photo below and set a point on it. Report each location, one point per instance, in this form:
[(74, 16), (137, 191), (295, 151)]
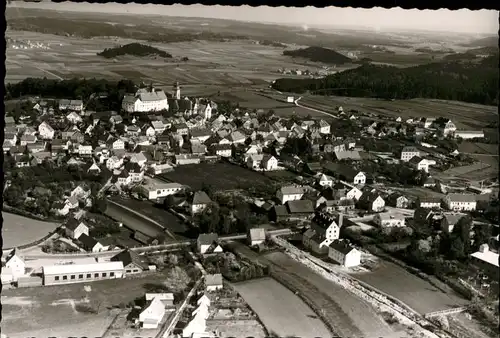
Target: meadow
[(18, 230), (281, 312)]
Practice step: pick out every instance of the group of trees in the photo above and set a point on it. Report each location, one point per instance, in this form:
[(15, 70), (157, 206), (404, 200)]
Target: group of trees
[(228, 265), (135, 49), (475, 82), (75, 88), (301, 147), (319, 54), (400, 173)]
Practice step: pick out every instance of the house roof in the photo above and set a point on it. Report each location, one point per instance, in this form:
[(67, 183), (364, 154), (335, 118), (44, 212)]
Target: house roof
[(72, 224), (489, 257), (416, 160), (291, 190), (300, 206), (409, 150), (81, 268), (258, 234), (128, 256), (452, 218), (342, 247), (350, 155), (467, 198), (201, 197), (208, 239), (87, 241), (215, 279)]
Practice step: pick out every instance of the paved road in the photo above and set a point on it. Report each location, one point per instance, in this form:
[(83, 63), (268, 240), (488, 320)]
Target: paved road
[(315, 110)]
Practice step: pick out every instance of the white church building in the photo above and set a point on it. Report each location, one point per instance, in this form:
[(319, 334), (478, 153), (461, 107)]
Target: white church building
[(145, 100)]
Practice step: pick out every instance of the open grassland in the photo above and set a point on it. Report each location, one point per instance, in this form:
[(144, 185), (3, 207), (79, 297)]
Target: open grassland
[(221, 176), (342, 311), (478, 148), (465, 115), (487, 167), (52, 311), (18, 230), (210, 62), (280, 310), (410, 289)]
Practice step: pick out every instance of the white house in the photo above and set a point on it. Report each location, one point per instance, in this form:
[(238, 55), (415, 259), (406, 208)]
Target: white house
[(117, 144), (254, 161), (84, 150), (145, 101), (213, 282), (152, 315), (269, 163), (153, 189), (202, 311), (289, 193), (389, 220), (45, 131), (196, 325), (344, 254), (460, 202), (354, 194), (90, 244), (359, 178), (324, 230), (74, 228), (290, 99), (324, 127), (114, 162), (15, 265), (205, 241), (449, 128), (429, 203), (200, 202), (408, 153), (419, 163), (325, 180), (74, 118), (469, 134), (256, 236)]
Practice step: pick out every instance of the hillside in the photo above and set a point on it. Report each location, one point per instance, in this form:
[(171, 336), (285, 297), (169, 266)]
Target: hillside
[(319, 54), (474, 82), (490, 41), (135, 49)]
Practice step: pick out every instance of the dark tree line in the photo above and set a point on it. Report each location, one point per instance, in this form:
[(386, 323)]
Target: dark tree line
[(462, 81), (75, 88), (136, 49)]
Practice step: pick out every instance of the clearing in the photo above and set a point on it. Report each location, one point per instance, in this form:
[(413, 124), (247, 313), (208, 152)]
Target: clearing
[(281, 311), (412, 290), (18, 230), (25, 310), (221, 176)]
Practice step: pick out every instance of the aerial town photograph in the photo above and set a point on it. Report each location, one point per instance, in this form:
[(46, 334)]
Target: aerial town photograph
[(191, 171)]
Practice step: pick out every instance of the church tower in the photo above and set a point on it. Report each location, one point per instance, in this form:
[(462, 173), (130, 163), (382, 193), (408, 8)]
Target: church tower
[(177, 91)]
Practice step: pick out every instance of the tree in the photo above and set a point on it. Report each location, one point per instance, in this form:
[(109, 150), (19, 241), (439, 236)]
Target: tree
[(13, 195), (482, 235), (208, 220), (462, 230), (457, 248), (99, 205)]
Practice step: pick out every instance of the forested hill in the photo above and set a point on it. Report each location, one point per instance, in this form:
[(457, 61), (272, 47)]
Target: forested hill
[(474, 82), (319, 54), (135, 49)]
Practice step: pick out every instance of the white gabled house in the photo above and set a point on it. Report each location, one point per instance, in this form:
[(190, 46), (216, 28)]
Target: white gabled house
[(289, 193), (460, 202), (354, 194), (323, 231), (344, 254), (45, 131), (153, 314)]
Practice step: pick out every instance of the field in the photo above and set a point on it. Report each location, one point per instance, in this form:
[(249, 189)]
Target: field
[(38, 311), (347, 314), (18, 230), (465, 115), (157, 214), (421, 192), (410, 289), (478, 148), (485, 168), (211, 63), (280, 310), (221, 176)]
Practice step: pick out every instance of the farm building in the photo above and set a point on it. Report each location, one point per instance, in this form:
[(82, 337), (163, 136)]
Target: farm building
[(469, 134), (74, 228), (14, 265), (487, 260), (80, 273), (166, 298), (302, 209), (213, 282), (372, 201), (205, 241), (462, 202), (152, 315), (29, 281), (132, 262), (153, 189), (344, 254), (256, 236), (289, 193), (389, 220), (398, 201)]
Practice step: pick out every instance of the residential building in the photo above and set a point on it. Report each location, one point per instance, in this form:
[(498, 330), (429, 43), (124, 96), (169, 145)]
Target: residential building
[(75, 228), (487, 260), (166, 298), (25, 139), (153, 189), (408, 153), (90, 244), (354, 194), (145, 101), (325, 180), (323, 231), (300, 209), (45, 131), (344, 254), (289, 193), (429, 202), (75, 105), (205, 241), (15, 265), (269, 163), (153, 314), (135, 171), (398, 201), (74, 118), (256, 236), (132, 262), (450, 219), (199, 202), (81, 273), (389, 220), (213, 282), (222, 150), (460, 202), (84, 150), (345, 172)]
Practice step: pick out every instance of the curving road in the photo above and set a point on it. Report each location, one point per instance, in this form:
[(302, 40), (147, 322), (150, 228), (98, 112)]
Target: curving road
[(313, 109)]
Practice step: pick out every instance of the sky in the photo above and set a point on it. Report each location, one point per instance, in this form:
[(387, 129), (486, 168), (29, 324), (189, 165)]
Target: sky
[(443, 20)]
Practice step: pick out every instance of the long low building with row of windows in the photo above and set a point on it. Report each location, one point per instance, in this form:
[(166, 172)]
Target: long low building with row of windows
[(78, 273)]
